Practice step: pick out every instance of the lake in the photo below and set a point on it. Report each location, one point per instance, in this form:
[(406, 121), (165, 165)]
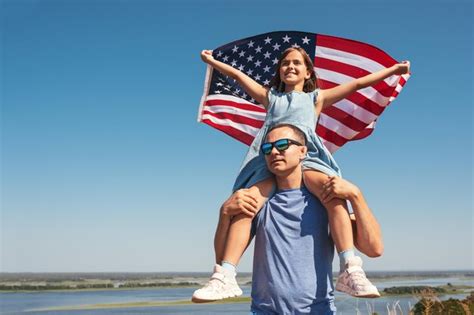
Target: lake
[(37, 302)]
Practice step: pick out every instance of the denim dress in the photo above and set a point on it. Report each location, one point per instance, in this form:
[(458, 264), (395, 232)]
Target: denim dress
[(294, 108)]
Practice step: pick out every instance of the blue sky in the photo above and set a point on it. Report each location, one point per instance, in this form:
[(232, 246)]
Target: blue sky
[(104, 167)]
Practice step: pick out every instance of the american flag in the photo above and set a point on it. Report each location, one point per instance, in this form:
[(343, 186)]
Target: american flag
[(226, 106)]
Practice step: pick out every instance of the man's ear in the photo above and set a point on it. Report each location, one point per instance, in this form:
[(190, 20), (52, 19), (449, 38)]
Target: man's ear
[(303, 151)]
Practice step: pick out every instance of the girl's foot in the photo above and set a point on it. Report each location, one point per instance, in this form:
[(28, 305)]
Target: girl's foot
[(222, 285), (354, 282)]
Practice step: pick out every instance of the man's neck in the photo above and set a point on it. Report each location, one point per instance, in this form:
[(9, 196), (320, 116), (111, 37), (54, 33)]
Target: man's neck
[(292, 180)]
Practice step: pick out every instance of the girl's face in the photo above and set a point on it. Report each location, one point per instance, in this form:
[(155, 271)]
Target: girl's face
[(293, 71)]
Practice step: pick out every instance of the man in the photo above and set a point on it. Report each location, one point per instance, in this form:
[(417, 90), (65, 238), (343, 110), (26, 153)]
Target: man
[(292, 270)]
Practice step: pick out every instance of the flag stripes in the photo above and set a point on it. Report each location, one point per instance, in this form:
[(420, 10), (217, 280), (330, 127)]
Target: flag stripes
[(226, 107)]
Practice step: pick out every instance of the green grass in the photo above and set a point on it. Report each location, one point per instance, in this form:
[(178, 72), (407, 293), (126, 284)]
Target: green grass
[(141, 304)]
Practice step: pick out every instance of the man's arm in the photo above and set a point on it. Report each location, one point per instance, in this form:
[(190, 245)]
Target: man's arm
[(366, 229)]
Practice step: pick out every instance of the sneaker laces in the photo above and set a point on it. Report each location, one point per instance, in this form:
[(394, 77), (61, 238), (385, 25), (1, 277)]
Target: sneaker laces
[(358, 275), (215, 283)]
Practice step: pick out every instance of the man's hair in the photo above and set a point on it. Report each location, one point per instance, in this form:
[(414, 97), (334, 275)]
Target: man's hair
[(299, 135)]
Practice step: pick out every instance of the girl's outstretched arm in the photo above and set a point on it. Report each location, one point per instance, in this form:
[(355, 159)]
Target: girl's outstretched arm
[(253, 88), (330, 96)]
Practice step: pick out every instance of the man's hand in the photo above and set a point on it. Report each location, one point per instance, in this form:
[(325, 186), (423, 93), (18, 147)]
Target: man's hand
[(240, 202), (337, 187)]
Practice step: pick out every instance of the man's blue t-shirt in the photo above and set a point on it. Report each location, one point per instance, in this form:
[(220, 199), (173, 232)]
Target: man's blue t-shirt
[(292, 265)]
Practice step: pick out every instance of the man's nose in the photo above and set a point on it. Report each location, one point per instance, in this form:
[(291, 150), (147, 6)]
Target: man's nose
[(274, 151)]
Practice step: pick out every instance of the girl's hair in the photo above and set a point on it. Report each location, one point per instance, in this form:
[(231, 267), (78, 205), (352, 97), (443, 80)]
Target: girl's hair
[(309, 85)]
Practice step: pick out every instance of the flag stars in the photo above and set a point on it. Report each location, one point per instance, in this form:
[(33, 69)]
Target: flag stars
[(255, 58)]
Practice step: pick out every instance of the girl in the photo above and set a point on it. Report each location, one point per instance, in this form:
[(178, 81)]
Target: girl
[(293, 98)]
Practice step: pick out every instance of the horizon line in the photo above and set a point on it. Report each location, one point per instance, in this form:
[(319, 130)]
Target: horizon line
[(184, 272)]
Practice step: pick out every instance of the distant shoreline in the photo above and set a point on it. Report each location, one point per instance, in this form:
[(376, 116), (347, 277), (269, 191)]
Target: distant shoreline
[(98, 289), (4, 276), (190, 273), (68, 282), (391, 291)]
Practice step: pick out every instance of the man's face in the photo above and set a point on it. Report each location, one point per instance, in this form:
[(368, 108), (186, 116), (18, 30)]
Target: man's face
[(286, 161)]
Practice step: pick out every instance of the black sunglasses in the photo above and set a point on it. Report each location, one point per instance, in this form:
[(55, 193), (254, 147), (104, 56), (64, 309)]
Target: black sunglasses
[(280, 145)]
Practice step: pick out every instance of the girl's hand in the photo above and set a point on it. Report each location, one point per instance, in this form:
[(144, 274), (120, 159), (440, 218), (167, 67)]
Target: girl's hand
[(337, 187), (206, 56), (402, 68)]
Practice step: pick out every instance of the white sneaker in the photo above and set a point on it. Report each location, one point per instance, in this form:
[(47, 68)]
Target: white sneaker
[(222, 285), (354, 282)]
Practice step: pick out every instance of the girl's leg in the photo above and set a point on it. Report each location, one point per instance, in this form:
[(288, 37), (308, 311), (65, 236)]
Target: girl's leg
[(220, 238), (231, 239), (238, 237), (338, 215), (352, 279)]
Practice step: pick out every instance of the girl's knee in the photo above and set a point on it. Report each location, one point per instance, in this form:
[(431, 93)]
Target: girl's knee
[(313, 177), (314, 181), (263, 188)]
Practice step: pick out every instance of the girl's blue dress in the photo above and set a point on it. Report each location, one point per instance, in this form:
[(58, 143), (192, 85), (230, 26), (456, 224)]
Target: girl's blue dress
[(294, 108)]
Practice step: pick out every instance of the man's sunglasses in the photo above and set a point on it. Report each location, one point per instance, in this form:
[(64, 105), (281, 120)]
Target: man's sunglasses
[(281, 145)]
